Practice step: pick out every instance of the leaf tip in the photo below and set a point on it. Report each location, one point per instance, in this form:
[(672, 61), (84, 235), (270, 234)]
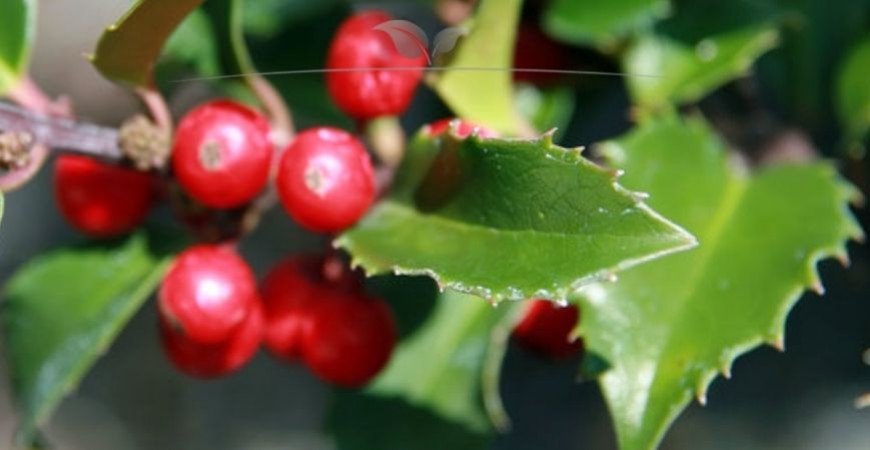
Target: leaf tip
[(777, 342)]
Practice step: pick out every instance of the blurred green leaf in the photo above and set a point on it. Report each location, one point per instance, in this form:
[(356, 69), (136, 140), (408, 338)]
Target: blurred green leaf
[(816, 34), (853, 91), (546, 107), (484, 96), (193, 44), (439, 366), (266, 18), (16, 38), (128, 50), (668, 327), (356, 420), (64, 309), (507, 219), (665, 71), (431, 391), (600, 22)]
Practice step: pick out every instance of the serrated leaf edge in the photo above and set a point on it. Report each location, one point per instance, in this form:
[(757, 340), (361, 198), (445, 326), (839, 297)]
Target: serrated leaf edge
[(514, 293), (775, 336)]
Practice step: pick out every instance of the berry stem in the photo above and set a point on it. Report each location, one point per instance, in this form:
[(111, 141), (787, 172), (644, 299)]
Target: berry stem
[(157, 107), (282, 120), (29, 95), (387, 139)]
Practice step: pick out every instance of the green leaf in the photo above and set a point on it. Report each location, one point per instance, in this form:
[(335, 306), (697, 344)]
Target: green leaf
[(853, 90), (193, 44), (600, 22), (128, 50), (16, 38), (431, 389), (546, 108), (64, 309), (485, 96), (668, 71), (356, 420), (508, 219), (668, 327), (439, 366)]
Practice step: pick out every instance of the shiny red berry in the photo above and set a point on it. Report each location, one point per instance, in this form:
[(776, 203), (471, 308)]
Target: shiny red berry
[(207, 293), (213, 360), (366, 94), (291, 291), (546, 329), (350, 338), (325, 180), (99, 199), (222, 154), (463, 129)]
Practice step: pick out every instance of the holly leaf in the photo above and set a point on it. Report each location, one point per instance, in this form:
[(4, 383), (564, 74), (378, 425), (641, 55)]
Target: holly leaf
[(16, 38), (64, 309), (670, 71), (668, 327), (128, 50), (853, 91), (600, 22), (431, 387), (477, 83), (508, 219)]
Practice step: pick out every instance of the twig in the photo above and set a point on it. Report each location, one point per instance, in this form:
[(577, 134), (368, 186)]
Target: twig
[(59, 134)]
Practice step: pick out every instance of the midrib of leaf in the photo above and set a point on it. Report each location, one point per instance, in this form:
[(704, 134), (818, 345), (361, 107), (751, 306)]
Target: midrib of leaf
[(474, 227), (729, 202)]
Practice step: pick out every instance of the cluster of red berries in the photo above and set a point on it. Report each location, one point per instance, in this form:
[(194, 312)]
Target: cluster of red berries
[(213, 317)]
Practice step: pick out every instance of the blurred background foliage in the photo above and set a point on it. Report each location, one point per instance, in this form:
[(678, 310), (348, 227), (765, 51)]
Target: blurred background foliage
[(808, 91)]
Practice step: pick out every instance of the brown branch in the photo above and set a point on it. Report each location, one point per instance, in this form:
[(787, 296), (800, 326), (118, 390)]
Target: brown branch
[(59, 134)]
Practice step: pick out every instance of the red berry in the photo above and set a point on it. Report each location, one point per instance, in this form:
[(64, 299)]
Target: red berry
[(291, 290), (207, 293), (213, 360), (100, 199), (288, 293), (546, 329), (222, 154), (350, 338), (535, 50), (463, 129), (326, 181), (367, 94)]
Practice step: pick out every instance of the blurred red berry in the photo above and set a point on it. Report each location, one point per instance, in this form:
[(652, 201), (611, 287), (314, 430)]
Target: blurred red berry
[(350, 338), (100, 199), (325, 180), (366, 94), (463, 128), (207, 293), (222, 154), (546, 329), (535, 50), (213, 360)]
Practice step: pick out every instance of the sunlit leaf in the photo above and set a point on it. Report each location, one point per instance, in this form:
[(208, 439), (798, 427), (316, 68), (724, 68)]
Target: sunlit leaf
[(667, 328)]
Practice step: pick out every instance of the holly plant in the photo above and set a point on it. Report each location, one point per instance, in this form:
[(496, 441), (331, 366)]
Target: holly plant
[(653, 258)]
